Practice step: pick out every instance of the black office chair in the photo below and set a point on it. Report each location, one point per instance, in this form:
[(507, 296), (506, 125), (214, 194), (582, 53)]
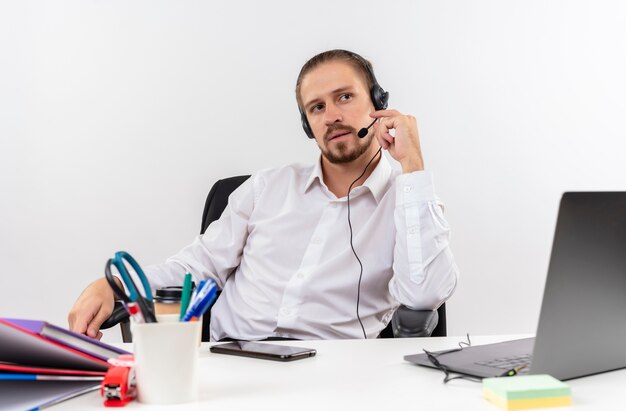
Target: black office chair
[(405, 322)]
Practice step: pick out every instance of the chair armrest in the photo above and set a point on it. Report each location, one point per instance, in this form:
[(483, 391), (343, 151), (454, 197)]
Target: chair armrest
[(118, 315), (413, 323)]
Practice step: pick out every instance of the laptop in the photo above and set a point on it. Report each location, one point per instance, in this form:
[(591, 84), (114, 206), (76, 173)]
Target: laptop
[(582, 324)]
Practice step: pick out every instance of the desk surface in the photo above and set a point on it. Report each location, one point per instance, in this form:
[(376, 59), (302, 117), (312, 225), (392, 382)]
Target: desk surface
[(355, 375)]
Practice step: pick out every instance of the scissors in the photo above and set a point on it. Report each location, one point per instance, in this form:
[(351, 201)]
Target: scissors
[(143, 301)]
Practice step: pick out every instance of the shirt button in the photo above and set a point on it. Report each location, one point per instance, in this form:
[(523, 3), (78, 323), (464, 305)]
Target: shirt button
[(407, 189), (316, 240), (412, 230), (285, 311), (300, 276), (333, 205)]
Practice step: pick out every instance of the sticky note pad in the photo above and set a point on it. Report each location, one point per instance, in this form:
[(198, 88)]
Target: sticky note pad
[(526, 391)]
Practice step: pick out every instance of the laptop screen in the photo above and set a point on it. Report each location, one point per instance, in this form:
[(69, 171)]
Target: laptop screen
[(582, 325)]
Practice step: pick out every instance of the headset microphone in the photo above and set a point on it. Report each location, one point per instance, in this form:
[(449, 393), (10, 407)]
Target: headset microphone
[(363, 132)]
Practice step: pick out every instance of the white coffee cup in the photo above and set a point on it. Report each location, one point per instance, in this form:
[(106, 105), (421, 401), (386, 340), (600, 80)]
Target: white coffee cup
[(166, 360)]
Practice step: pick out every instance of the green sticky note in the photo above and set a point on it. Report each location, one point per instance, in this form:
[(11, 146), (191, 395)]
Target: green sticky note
[(523, 387)]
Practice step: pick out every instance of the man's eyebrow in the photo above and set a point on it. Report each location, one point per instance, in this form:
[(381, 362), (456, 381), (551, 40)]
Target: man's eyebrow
[(339, 90)]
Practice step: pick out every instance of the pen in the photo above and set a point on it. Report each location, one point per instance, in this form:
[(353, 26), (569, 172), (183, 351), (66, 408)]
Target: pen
[(513, 371), (135, 312), (206, 291), (194, 292), (186, 295), (204, 305)]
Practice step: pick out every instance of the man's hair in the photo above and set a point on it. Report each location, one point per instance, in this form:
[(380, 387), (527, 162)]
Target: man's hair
[(361, 65)]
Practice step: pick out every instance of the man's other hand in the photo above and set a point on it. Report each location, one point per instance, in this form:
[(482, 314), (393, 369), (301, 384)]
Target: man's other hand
[(92, 308)]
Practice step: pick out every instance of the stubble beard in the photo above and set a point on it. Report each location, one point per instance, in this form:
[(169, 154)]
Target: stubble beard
[(341, 153)]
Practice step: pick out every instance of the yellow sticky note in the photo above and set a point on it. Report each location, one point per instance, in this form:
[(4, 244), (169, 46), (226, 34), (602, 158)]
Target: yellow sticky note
[(527, 391)]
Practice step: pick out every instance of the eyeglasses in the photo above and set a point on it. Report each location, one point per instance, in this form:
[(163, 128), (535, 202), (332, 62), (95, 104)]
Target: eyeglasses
[(433, 357)]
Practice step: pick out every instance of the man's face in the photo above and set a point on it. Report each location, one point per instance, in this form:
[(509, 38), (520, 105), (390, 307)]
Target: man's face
[(337, 104)]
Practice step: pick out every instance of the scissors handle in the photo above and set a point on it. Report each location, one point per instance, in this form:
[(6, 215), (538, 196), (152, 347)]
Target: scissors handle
[(119, 292), (120, 256), (143, 301)]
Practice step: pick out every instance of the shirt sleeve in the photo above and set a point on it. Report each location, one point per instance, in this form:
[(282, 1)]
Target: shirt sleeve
[(425, 274), (214, 254)]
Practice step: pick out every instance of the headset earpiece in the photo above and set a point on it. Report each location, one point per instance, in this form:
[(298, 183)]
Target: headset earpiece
[(380, 97), (305, 125)]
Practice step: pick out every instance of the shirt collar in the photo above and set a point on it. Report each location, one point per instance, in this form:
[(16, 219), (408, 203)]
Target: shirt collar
[(376, 182)]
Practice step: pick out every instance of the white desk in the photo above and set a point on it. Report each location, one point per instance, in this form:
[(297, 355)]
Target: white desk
[(353, 375)]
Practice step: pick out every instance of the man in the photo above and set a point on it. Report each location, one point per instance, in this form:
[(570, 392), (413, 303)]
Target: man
[(296, 256)]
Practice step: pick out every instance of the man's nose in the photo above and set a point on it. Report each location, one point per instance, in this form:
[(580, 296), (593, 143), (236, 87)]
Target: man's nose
[(332, 115)]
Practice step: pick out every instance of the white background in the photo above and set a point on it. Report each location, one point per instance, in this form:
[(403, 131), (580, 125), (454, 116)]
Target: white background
[(117, 116)]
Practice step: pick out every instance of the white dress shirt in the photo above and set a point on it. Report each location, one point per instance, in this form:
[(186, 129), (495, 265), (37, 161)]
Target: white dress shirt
[(281, 253)]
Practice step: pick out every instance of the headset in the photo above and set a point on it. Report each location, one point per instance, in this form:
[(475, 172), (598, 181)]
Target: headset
[(380, 97)]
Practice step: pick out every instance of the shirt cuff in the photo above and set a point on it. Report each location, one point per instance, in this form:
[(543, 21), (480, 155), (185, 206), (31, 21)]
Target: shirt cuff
[(415, 187)]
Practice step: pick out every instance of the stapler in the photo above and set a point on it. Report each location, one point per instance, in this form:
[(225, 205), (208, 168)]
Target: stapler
[(118, 387)]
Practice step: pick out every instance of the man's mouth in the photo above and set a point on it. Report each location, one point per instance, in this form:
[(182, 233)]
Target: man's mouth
[(338, 134)]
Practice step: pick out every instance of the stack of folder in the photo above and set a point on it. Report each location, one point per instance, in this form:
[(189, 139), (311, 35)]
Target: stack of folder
[(527, 391), (42, 364)]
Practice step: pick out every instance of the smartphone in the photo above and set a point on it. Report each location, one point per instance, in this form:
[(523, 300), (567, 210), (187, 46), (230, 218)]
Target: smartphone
[(263, 350)]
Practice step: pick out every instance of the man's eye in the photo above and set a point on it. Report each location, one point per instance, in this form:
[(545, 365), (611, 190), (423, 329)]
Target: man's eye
[(317, 108), (345, 97)]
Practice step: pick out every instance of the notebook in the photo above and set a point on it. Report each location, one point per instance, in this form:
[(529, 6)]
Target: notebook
[(582, 323), (65, 337), (19, 395), (22, 346)]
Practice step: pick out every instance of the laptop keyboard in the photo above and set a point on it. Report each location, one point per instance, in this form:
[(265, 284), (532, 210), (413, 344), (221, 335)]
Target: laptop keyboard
[(508, 363)]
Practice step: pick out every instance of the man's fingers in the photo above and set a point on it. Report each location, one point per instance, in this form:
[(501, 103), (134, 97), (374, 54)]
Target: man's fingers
[(385, 125), (388, 124), (79, 320), (385, 113), (393, 119), (383, 143), (383, 136), (94, 326), (78, 325)]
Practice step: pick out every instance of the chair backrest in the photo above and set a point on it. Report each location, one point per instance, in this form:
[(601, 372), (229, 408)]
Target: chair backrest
[(441, 330), (215, 203), (217, 199)]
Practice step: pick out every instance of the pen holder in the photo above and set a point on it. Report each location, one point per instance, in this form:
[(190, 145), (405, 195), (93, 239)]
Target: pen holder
[(166, 360)]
